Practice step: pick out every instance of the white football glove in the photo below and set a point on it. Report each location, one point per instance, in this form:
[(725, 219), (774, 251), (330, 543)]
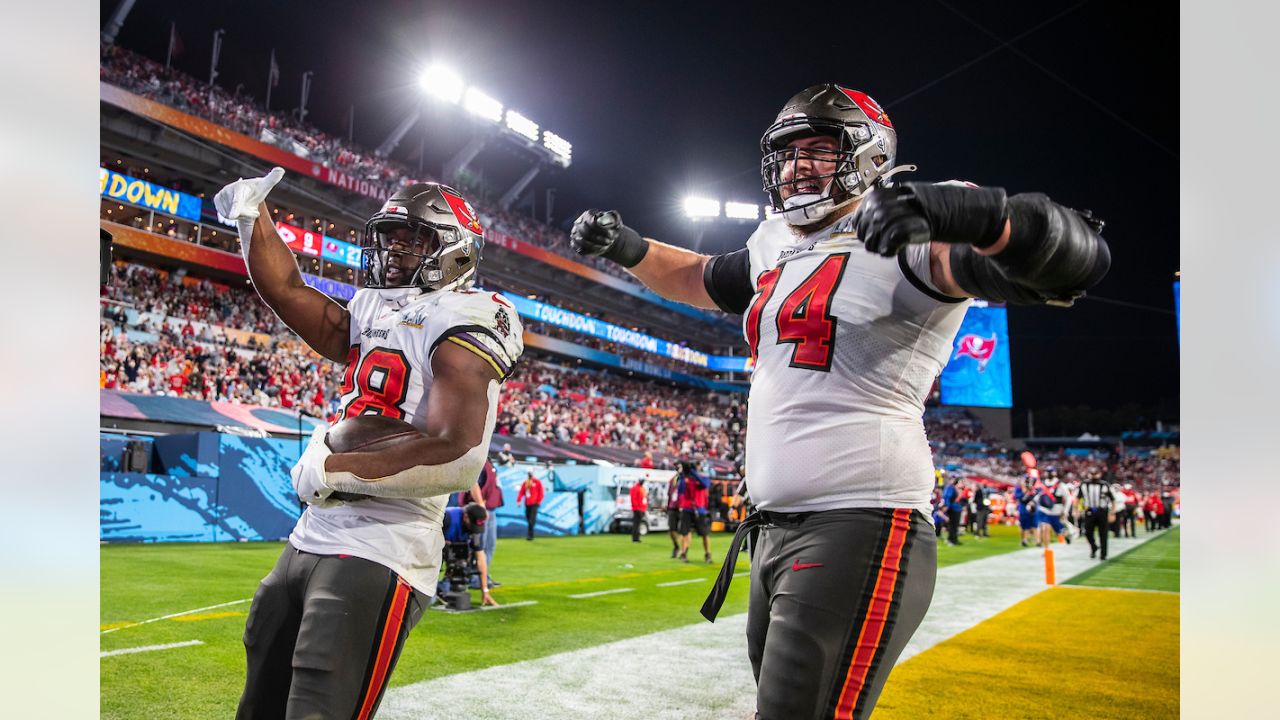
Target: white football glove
[(238, 203), (308, 474)]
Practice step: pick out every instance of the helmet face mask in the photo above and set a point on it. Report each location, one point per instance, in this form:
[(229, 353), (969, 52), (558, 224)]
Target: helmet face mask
[(865, 150), (426, 237)]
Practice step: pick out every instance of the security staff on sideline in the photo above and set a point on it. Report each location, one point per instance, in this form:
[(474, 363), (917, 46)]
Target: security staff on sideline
[(1097, 499)]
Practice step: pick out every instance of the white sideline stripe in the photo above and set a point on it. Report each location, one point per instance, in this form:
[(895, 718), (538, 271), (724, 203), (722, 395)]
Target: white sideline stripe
[(681, 582), (149, 648), (174, 615), (570, 686), (602, 592)]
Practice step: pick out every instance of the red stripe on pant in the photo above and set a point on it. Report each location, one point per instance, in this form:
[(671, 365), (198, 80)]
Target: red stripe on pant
[(877, 616), (386, 648)]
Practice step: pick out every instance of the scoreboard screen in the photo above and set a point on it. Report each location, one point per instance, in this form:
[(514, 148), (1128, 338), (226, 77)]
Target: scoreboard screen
[(977, 374)]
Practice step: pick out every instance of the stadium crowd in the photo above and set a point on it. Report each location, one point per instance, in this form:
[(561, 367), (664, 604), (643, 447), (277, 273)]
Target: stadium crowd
[(165, 334), (243, 114), (583, 407)]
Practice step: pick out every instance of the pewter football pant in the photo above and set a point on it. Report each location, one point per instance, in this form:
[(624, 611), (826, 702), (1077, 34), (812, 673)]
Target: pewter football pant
[(323, 635), (835, 596)]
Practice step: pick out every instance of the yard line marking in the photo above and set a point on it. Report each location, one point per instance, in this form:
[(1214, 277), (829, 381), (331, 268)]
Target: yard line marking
[(149, 648), (602, 592), (680, 582), (744, 573), (174, 615), (522, 603)]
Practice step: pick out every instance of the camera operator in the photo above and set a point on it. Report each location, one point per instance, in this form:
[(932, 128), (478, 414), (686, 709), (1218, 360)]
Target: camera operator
[(463, 536)]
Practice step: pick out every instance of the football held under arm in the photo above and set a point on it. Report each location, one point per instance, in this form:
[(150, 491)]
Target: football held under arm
[(450, 455)]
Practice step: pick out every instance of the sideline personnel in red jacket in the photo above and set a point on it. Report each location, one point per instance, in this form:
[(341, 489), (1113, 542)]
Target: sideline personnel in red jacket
[(530, 494), (639, 507)]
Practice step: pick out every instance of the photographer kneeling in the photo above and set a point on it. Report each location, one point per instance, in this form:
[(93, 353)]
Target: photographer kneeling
[(463, 529)]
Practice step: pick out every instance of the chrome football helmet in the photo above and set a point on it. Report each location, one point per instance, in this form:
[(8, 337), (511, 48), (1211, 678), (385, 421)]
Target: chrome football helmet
[(866, 147), (425, 236)]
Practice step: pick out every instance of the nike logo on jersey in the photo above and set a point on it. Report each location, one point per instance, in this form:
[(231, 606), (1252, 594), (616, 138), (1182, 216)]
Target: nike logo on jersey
[(797, 565)]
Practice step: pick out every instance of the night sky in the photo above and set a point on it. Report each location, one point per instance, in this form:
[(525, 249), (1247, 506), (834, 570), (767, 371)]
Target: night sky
[(665, 99)]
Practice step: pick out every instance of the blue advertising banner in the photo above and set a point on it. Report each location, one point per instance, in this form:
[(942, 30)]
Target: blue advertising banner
[(553, 315), (116, 186), (332, 288), (978, 373), (212, 488), (559, 513)]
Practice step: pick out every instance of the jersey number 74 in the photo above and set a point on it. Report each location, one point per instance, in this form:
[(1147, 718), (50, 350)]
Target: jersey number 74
[(804, 317)]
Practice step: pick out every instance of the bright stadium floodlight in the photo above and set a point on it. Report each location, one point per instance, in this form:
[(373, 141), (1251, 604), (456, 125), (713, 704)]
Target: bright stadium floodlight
[(443, 83), (558, 147), (700, 208), (522, 125), (481, 105), (741, 211), (769, 214)]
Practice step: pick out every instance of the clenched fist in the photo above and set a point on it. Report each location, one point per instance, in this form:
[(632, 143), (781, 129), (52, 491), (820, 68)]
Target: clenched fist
[(601, 233)]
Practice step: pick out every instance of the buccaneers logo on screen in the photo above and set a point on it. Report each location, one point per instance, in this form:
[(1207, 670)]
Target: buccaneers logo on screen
[(976, 347)]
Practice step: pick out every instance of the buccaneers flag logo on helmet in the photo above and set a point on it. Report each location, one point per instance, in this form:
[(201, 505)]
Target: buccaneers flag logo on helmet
[(462, 210), (868, 106)]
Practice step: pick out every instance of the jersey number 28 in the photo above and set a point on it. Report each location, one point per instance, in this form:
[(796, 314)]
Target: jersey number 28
[(382, 376), (804, 318)]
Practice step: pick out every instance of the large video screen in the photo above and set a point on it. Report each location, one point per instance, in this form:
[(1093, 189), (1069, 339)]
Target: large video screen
[(978, 373)]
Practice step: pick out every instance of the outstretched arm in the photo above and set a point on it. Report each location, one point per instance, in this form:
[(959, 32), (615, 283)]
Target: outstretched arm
[(672, 272), (320, 322), (1025, 249)]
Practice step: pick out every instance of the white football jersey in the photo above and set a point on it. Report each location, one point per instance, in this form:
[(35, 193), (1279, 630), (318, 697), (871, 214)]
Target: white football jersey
[(393, 336), (847, 345)]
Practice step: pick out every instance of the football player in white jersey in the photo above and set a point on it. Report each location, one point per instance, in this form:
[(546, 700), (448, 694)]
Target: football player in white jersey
[(851, 297), (326, 625)]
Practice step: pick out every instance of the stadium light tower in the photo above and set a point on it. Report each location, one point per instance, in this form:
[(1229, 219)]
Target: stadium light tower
[(698, 208), (481, 105), (443, 83), (522, 125), (741, 211)]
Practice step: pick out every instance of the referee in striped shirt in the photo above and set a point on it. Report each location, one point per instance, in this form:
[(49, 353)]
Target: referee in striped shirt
[(1097, 499)]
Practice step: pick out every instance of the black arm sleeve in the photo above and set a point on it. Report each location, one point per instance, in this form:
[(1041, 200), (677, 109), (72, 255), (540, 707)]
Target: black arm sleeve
[(1054, 254), (728, 281)]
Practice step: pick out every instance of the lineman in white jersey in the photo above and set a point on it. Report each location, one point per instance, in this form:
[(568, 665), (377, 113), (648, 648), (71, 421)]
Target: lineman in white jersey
[(327, 624), (850, 302)]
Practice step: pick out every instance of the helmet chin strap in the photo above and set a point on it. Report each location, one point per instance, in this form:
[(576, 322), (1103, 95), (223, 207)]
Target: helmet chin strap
[(808, 214)]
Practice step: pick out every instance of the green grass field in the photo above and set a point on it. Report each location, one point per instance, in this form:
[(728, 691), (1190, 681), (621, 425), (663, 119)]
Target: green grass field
[(142, 582), (1153, 565)]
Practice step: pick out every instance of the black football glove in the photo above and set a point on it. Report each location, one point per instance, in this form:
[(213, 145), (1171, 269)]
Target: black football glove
[(891, 218), (603, 234)]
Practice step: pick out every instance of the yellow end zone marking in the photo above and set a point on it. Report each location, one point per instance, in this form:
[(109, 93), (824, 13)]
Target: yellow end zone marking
[(1141, 630), (208, 616), (1118, 589)]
